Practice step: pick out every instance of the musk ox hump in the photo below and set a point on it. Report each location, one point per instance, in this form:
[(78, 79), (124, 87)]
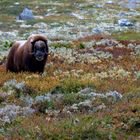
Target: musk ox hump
[(36, 37)]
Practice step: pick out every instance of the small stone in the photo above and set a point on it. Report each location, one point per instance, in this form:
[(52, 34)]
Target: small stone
[(25, 26), (17, 3)]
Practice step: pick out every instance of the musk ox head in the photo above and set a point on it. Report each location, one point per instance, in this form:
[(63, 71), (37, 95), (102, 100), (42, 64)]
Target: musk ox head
[(40, 50), (39, 47)]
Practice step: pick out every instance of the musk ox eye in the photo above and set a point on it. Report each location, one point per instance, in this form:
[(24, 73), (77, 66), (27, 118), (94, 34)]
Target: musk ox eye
[(39, 49), (42, 49)]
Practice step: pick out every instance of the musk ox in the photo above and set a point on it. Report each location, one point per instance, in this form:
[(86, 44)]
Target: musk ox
[(29, 55)]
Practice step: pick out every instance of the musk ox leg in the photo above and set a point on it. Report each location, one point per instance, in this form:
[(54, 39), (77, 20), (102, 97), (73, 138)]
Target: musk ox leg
[(10, 66)]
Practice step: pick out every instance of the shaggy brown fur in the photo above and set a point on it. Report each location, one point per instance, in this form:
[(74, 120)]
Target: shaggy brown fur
[(23, 55)]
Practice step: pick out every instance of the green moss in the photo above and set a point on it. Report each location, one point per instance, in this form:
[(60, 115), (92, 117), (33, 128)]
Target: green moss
[(69, 86), (7, 44), (73, 85), (127, 36), (81, 46)]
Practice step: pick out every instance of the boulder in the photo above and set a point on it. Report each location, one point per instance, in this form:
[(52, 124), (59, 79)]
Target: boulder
[(26, 14)]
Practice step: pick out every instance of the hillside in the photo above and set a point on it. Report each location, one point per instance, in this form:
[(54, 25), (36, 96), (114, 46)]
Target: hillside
[(91, 85)]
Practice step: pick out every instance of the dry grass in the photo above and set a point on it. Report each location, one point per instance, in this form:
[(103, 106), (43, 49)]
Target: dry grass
[(120, 120)]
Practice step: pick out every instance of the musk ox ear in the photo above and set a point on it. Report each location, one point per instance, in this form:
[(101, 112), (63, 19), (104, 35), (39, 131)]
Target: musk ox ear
[(32, 43)]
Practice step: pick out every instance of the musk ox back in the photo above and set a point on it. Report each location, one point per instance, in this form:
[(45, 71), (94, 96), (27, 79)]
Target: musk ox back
[(29, 55)]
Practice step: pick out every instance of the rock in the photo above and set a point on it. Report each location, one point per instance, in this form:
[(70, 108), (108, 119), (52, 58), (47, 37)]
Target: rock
[(26, 14), (125, 22)]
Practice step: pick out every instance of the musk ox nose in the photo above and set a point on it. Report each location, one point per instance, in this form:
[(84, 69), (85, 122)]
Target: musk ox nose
[(39, 56)]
